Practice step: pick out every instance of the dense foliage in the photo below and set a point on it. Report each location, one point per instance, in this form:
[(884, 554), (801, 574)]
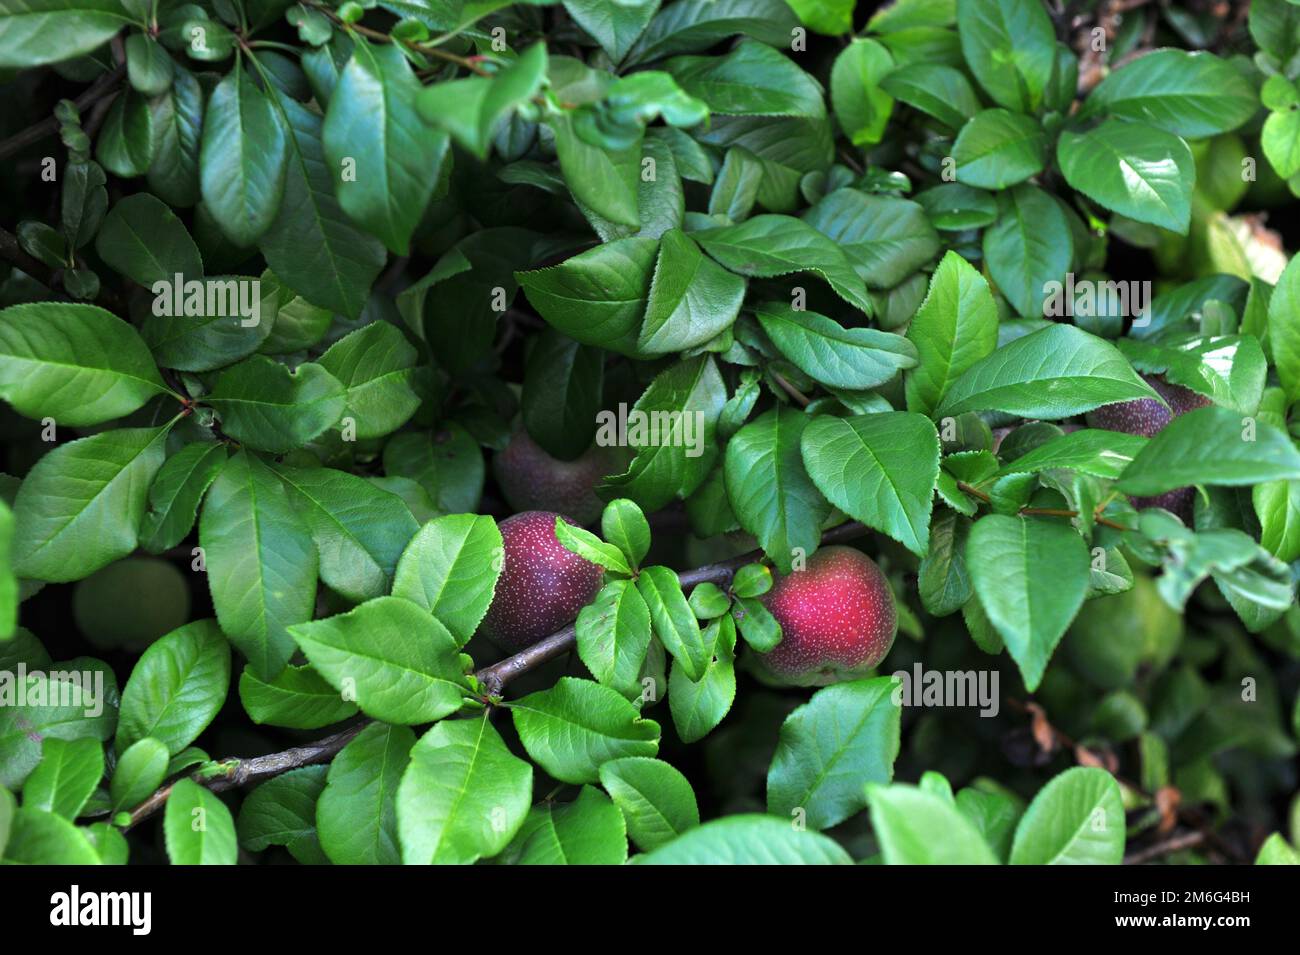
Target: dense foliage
[(301, 301)]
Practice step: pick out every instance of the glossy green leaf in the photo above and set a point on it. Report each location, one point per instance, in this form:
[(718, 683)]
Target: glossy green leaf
[(77, 364), (845, 736), (176, 687), (356, 815), (1031, 577), (574, 727), (878, 468), (261, 562), (463, 795), (198, 827)]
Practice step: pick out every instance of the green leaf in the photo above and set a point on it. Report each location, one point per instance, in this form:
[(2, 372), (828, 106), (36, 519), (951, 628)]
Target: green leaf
[(282, 812), (80, 507), (674, 457), (769, 489), (42, 838), (398, 662), (1094, 451), (879, 469), (298, 698), (225, 319), (36, 32), (198, 827), (77, 364), (692, 299), (1277, 505), (768, 246), (356, 815), (602, 179), (576, 725), (614, 637), (1031, 575), (1211, 445), (450, 567), (1135, 170), (1283, 329), (697, 707), (1076, 819), (942, 579), (261, 562), (562, 394), (674, 621), (699, 24), (1194, 95), (360, 530), (69, 771), (376, 366), (615, 26), (471, 109), (1028, 247), (178, 126), (955, 327), (1277, 851), (623, 524), (125, 143), (656, 800), (845, 736), (748, 839), (752, 80), (886, 239), (143, 239), (175, 494), (861, 102), (463, 795), (52, 709), (1052, 373), (935, 89), (1010, 46), (385, 187), (176, 687), (856, 358), (590, 547), (243, 155), (831, 17), (139, 771), (915, 827), (588, 831), (1279, 139), (267, 407), (998, 148), (312, 246), (597, 297), (447, 463)]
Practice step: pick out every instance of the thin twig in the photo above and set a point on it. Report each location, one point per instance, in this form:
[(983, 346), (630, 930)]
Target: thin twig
[(1188, 840), (105, 84)]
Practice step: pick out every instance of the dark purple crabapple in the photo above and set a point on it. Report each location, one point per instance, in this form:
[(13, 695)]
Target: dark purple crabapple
[(1147, 417), (532, 480), (542, 585)]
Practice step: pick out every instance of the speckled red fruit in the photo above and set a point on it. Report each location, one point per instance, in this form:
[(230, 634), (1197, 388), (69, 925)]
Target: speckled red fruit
[(542, 585), (1146, 417), (532, 480), (837, 618)]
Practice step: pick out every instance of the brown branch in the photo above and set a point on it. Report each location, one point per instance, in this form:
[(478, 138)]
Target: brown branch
[(12, 252), (798, 396), (1188, 840), (104, 85), (233, 773)]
